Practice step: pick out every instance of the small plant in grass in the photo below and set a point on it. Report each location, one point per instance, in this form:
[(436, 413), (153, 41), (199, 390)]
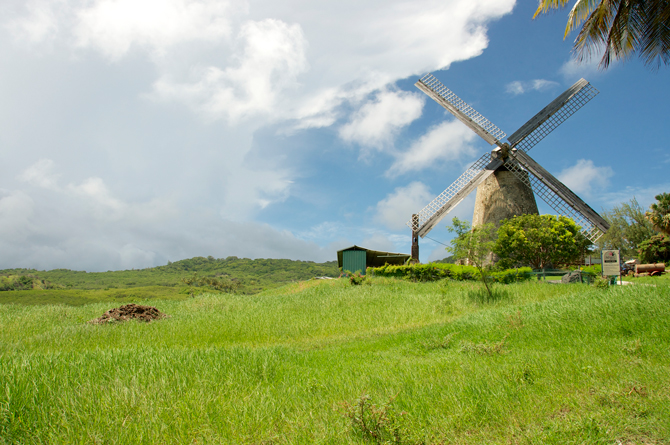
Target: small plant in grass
[(633, 347), (515, 321), (474, 245), (485, 348), (444, 343), (380, 424), (601, 282), (356, 278)]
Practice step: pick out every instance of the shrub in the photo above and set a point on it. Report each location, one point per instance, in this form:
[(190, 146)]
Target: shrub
[(356, 278)]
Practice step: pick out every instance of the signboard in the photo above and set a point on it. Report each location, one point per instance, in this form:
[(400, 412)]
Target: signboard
[(610, 261)]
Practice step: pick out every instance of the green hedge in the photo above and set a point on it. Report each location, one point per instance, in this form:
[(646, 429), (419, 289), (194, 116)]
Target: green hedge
[(439, 271), (509, 276)]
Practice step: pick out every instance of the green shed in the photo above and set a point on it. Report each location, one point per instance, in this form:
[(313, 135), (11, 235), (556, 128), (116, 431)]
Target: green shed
[(355, 258)]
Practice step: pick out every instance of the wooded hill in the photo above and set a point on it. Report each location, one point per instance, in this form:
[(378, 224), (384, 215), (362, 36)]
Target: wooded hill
[(250, 275)]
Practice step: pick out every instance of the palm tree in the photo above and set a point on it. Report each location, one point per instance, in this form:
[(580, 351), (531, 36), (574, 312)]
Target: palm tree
[(619, 27), (659, 213)]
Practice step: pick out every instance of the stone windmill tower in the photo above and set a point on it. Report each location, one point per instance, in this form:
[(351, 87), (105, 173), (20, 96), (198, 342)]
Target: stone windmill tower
[(507, 179)]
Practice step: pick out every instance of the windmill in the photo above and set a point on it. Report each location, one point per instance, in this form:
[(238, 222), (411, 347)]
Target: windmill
[(508, 157)]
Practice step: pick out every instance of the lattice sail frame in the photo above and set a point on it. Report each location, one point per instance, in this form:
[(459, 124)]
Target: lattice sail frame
[(446, 94), (570, 107), (523, 139), (443, 198), (561, 207)]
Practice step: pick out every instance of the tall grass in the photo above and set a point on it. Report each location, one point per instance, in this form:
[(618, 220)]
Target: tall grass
[(544, 364)]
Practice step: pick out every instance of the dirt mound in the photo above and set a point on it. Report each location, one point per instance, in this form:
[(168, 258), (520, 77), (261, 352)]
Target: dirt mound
[(128, 312)]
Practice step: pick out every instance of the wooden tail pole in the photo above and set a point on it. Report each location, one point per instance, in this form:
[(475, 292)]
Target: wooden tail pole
[(415, 238)]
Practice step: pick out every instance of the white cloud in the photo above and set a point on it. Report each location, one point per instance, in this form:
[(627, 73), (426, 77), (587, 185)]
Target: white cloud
[(573, 70), (447, 141), (250, 53), (378, 121), (645, 196), (270, 56), (40, 23), (114, 26), (380, 241), (41, 174), (521, 87), (397, 208), (102, 203), (584, 177), (262, 188)]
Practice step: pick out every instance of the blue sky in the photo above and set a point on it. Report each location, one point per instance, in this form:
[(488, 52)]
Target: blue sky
[(137, 132)]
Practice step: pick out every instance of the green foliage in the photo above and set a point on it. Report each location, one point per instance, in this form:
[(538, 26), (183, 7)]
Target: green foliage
[(230, 274), (601, 282), (356, 278), (659, 213), (594, 270), (10, 282), (539, 241), (474, 245), (221, 285), (628, 228), (656, 249), (620, 29), (427, 272), (440, 271), (380, 424), (510, 276)]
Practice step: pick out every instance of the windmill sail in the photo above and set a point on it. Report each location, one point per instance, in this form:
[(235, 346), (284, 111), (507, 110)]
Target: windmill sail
[(557, 195), (553, 115), (460, 109), (433, 213)]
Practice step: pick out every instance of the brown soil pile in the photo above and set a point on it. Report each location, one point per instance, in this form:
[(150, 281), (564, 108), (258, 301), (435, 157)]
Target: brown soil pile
[(128, 312)]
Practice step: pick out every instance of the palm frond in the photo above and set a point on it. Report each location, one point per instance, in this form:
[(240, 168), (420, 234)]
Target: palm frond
[(546, 5), (618, 28)]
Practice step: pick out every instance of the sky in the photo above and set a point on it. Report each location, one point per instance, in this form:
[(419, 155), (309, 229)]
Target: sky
[(137, 132)]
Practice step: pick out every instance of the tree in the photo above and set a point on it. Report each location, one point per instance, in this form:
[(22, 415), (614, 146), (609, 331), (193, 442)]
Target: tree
[(656, 249), (474, 244), (659, 213), (620, 27), (539, 241), (628, 228)]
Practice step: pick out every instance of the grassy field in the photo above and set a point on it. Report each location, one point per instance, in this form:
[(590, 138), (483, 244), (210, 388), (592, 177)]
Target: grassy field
[(80, 297), (327, 362)]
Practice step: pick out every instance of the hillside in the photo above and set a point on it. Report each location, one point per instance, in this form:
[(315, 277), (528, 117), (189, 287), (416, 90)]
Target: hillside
[(252, 276)]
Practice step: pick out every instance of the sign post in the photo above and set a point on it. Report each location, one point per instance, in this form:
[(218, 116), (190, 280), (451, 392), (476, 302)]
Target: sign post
[(611, 263)]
